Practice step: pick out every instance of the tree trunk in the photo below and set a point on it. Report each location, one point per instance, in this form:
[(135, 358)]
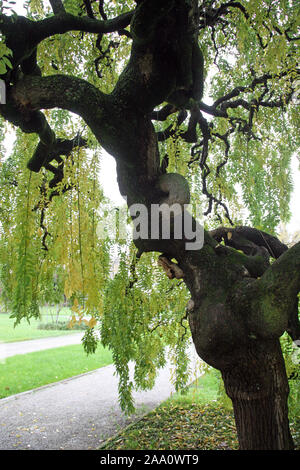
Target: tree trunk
[(258, 388), (236, 326)]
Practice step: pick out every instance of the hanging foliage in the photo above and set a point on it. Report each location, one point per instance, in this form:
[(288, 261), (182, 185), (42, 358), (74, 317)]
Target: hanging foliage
[(202, 89)]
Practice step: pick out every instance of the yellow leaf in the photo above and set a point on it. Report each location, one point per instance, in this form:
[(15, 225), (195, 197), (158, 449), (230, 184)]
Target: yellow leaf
[(72, 321), (68, 291), (75, 305), (92, 322)]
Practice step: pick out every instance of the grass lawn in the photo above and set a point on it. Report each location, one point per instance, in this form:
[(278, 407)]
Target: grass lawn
[(29, 371), (195, 421), (25, 331)]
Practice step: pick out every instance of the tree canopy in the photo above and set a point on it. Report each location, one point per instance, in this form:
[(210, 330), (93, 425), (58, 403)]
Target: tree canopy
[(205, 89)]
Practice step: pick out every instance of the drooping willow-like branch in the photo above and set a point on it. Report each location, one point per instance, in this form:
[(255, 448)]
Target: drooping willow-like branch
[(212, 16), (220, 108)]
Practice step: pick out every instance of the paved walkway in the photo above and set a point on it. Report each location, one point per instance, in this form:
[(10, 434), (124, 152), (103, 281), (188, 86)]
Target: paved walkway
[(78, 413), (24, 347)]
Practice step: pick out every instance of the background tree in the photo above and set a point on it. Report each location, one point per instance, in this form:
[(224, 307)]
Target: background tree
[(133, 71)]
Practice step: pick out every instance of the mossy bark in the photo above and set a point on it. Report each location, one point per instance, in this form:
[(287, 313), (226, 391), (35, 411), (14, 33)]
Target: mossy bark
[(236, 323)]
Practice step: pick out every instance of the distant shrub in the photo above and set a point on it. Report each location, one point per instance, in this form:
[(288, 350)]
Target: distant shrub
[(61, 325)]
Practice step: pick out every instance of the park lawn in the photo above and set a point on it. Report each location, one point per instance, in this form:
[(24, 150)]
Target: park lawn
[(198, 420), (28, 371), (26, 331)]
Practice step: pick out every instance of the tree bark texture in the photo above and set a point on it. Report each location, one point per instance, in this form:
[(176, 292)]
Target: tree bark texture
[(258, 388)]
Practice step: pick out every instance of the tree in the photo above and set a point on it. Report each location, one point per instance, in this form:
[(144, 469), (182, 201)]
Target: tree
[(134, 71)]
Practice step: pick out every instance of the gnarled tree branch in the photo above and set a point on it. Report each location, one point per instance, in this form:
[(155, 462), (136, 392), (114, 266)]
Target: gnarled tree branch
[(250, 240), (57, 6)]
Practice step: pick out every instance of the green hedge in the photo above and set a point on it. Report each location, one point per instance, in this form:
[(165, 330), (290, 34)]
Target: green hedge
[(61, 325)]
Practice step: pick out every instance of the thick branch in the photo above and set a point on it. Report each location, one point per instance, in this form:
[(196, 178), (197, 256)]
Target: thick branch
[(57, 6), (283, 276), (163, 113), (250, 240), (273, 298), (24, 35), (63, 23), (58, 91), (44, 154), (282, 283), (33, 93)]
